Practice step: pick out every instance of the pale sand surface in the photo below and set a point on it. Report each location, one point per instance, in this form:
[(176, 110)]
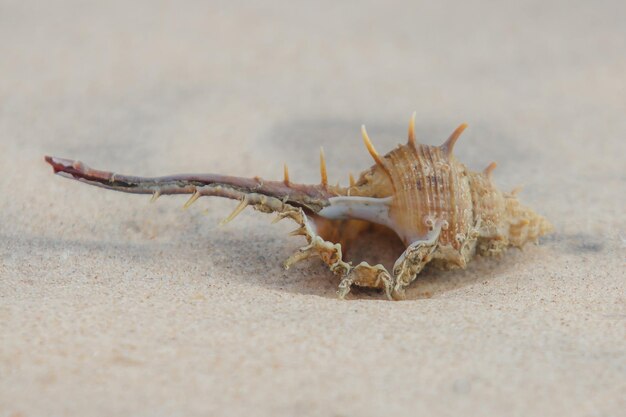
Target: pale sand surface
[(111, 306)]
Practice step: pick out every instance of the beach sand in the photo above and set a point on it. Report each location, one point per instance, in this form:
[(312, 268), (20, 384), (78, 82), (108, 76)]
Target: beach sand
[(110, 305)]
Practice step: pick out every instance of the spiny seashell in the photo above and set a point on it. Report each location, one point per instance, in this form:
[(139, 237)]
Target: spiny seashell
[(442, 212)]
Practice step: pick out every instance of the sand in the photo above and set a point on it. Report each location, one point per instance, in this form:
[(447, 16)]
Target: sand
[(112, 306)]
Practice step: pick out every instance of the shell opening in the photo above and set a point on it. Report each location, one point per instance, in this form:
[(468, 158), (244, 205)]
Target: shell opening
[(361, 240)]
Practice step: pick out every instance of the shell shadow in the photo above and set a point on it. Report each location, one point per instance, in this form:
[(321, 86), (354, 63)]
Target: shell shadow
[(577, 243), (313, 278)]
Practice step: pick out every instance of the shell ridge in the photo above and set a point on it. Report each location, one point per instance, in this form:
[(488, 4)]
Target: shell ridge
[(406, 178), (425, 182), (445, 189), (437, 201), (454, 215), (397, 195), (442, 206)]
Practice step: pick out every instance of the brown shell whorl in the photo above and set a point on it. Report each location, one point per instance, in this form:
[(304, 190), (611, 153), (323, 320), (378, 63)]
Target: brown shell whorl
[(427, 185)]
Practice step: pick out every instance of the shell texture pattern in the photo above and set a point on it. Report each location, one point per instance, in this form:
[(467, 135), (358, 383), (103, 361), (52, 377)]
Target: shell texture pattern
[(443, 213)]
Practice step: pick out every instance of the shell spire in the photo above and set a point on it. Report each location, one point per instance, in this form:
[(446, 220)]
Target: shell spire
[(370, 147), (195, 196), (323, 172), (240, 207), (373, 153), (412, 142), (488, 171), (286, 174), (448, 145), (155, 196), (515, 191)]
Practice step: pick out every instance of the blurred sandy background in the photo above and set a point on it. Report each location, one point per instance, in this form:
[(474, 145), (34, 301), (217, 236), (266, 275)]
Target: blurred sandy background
[(111, 306)]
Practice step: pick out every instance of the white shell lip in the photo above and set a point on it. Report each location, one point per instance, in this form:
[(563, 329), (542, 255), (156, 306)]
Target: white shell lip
[(375, 210)]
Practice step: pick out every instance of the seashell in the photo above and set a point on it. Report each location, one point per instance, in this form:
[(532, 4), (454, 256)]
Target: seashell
[(443, 213)]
